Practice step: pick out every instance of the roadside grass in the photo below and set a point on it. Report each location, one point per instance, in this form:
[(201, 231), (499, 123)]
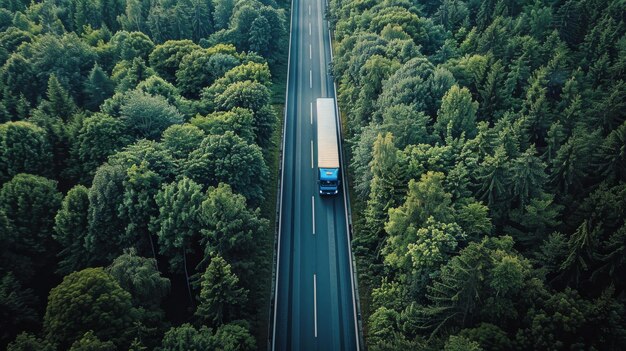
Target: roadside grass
[(266, 244), (265, 250)]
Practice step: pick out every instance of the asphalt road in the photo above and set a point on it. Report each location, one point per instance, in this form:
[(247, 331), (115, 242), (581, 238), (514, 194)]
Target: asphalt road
[(314, 302)]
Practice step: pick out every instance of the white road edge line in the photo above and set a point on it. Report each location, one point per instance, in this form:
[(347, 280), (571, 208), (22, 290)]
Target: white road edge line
[(282, 176), (315, 302), (313, 210)]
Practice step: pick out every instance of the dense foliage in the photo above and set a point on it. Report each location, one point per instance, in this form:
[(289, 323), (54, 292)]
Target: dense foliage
[(135, 138), (486, 145)]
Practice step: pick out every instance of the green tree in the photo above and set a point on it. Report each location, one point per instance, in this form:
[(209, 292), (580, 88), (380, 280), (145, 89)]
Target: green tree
[(246, 94), (460, 343), (140, 277), (128, 74), (181, 140), (156, 85), (264, 122), (166, 58), (228, 158), (147, 116), (178, 226), (105, 237), (571, 165), (241, 28), (222, 12), (408, 126), (186, 337), (24, 148), (477, 283), (156, 155), (260, 36), (230, 229), (134, 16), (138, 206), (58, 102), (99, 137), (253, 71), (98, 87), (17, 306), (129, 45), (527, 177), (457, 112), (383, 326), (238, 120), (201, 19), (612, 158), (28, 203), (234, 337), (495, 179), (90, 342), (88, 300), (70, 230), (489, 336), (28, 342), (67, 57), (384, 194), (565, 320), (202, 67), (221, 298)]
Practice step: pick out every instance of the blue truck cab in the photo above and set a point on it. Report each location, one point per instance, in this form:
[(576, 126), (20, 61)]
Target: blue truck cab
[(329, 181)]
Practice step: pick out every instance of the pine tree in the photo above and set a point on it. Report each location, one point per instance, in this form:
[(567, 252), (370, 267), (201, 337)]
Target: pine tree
[(221, 298), (98, 88), (58, 103)]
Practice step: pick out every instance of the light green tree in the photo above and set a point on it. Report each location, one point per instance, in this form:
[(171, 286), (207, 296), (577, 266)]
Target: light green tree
[(457, 114)]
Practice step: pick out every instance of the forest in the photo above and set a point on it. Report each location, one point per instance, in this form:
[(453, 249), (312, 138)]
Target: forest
[(137, 147), (487, 147)]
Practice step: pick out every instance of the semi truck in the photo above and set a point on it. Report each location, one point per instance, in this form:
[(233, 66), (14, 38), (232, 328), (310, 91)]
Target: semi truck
[(327, 147)]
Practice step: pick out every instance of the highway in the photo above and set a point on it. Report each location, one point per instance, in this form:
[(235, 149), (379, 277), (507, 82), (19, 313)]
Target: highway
[(314, 302)]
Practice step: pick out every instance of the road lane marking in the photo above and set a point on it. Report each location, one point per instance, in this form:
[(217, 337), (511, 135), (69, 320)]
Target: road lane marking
[(309, 10), (311, 153), (313, 207), (311, 79), (310, 52), (315, 302), (309, 28), (311, 113)]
